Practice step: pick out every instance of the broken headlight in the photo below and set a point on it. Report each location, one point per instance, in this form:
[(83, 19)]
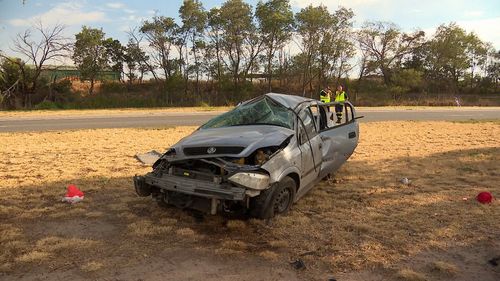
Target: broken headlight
[(251, 180)]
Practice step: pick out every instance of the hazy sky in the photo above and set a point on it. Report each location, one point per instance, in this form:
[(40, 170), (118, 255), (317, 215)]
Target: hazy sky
[(116, 17)]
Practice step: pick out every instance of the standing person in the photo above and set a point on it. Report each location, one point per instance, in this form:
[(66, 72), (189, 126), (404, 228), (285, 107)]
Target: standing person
[(340, 97), (325, 95)]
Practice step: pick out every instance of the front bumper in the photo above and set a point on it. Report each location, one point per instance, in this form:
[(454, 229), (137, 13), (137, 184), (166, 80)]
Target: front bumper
[(188, 186)]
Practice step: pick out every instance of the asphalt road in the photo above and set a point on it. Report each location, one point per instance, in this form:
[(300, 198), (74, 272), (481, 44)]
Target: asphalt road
[(169, 119)]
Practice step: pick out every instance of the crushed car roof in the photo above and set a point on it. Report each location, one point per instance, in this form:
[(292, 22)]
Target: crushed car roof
[(288, 100)]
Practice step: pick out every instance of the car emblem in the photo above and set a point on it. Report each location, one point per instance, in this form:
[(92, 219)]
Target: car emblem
[(211, 150)]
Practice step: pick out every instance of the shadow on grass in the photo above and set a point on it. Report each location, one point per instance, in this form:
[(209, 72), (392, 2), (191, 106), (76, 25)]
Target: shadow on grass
[(366, 220)]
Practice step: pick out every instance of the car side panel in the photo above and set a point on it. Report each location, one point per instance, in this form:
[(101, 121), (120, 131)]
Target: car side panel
[(287, 159), (338, 145), (311, 163)]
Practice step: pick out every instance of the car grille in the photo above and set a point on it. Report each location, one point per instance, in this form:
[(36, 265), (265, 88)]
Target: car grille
[(204, 150)]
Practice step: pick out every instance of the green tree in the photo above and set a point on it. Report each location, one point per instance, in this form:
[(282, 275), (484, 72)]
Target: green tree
[(386, 46), (133, 59), (194, 20), (13, 73), (141, 59), (336, 47), (115, 53), (161, 34), (240, 41), (90, 54), (275, 18), (214, 33), (312, 24), (452, 53), (493, 68)]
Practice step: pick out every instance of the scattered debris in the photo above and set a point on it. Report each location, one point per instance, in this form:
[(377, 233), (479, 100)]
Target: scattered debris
[(405, 181), (73, 194), (484, 197), (148, 158), (494, 261), (298, 264)]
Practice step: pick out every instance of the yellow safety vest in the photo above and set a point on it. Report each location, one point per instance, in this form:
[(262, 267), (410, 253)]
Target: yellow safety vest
[(324, 98), (340, 96)]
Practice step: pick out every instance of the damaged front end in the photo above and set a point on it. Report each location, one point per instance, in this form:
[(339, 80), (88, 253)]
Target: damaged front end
[(210, 185), (219, 167)]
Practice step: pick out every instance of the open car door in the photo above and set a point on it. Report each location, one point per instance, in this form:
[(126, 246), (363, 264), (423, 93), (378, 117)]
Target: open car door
[(338, 139)]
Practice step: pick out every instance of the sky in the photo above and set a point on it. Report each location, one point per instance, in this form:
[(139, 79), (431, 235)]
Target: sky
[(117, 17)]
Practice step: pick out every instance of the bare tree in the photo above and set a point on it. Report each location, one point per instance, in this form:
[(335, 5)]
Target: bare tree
[(51, 46)]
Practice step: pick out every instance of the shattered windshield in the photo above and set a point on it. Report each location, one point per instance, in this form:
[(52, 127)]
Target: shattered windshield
[(263, 111)]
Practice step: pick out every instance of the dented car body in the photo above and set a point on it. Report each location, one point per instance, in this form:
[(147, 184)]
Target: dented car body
[(259, 157)]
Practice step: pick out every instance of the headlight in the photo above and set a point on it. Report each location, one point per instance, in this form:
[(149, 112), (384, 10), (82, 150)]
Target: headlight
[(251, 180)]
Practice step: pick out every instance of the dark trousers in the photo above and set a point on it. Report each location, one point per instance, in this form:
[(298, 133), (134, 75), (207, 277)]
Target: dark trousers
[(338, 111)]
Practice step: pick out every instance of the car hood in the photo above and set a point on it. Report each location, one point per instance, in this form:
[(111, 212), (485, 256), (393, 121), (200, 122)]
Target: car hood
[(249, 137)]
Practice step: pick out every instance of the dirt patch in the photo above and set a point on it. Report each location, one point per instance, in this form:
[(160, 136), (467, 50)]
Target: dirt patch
[(174, 264), (362, 224), (81, 228)]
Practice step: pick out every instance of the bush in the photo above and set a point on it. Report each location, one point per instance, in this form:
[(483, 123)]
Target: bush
[(112, 87), (47, 105), (62, 93), (408, 80)]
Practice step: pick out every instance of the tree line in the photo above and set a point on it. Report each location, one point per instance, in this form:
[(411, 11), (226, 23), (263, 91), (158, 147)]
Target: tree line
[(221, 54)]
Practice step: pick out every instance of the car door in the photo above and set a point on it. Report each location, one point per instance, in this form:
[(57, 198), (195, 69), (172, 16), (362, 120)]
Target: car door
[(310, 145), (339, 140)]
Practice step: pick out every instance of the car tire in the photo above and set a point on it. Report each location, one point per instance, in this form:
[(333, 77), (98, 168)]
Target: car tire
[(160, 200), (274, 201)]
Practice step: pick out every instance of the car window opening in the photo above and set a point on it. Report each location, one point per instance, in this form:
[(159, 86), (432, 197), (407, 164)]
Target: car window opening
[(327, 116)]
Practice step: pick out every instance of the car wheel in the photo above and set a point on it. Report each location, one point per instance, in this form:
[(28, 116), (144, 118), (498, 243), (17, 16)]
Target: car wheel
[(160, 200), (276, 200)]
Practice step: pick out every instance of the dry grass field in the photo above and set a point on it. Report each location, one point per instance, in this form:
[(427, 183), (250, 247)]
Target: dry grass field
[(363, 224)]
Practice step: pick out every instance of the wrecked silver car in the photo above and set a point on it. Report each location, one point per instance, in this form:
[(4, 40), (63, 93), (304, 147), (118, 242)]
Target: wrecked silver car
[(258, 158)]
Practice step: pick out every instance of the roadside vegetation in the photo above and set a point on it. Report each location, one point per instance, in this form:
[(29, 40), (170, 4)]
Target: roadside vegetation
[(361, 221), (234, 52)]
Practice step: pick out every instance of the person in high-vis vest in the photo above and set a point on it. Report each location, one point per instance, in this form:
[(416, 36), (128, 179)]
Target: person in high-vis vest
[(340, 97), (325, 95)]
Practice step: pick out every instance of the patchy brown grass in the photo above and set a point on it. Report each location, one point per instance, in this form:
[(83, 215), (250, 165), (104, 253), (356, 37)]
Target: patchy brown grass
[(410, 275), (236, 225), (148, 228), (33, 256), (444, 268), (234, 245), (92, 266), (362, 219), (270, 255)]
